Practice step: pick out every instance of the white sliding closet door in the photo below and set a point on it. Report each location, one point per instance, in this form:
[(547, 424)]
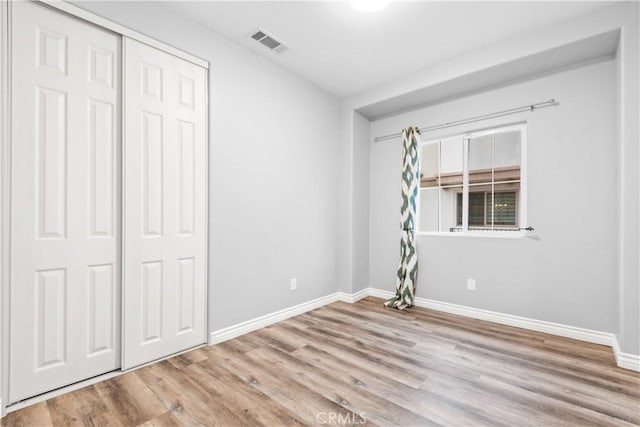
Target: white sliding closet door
[(65, 226), (165, 164)]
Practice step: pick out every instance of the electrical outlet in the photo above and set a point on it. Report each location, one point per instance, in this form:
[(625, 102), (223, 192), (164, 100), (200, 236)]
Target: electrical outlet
[(471, 284), (294, 284)]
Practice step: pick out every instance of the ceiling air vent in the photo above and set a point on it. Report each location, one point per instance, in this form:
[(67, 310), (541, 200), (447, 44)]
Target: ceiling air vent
[(269, 41)]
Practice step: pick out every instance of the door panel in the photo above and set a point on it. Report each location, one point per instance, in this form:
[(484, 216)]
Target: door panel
[(101, 167), (65, 275), (51, 149), (165, 164)]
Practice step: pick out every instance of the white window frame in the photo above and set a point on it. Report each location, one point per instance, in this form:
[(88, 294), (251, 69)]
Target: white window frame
[(522, 192)]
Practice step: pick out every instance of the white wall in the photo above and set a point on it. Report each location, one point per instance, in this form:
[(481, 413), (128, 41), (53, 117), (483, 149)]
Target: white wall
[(493, 56), (629, 179), (360, 256), (568, 275), (623, 17), (4, 211), (344, 191), (273, 175), (240, 88)]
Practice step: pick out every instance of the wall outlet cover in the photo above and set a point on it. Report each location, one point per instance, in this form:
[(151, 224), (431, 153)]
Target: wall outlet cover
[(471, 284)]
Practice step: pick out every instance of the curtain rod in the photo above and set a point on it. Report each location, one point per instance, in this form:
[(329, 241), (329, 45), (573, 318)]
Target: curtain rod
[(530, 108)]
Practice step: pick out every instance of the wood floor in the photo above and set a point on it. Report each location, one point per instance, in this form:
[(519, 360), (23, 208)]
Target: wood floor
[(363, 364)]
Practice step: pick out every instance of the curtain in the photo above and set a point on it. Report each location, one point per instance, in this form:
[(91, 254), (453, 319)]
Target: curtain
[(408, 266)]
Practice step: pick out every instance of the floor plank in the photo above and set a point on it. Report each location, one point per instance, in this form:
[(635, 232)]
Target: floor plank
[(364, 364)]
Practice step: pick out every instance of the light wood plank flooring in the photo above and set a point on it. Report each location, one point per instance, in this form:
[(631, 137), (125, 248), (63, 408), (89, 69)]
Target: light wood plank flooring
[(366, 365)]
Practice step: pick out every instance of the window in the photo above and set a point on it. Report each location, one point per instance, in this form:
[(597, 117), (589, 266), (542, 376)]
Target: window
[(480, 205), (473, 182)]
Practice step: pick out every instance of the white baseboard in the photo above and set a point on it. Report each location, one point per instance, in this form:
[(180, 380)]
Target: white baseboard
[(233, 331), (566, 331), (380, 293), (351, 298), (251, 325), (623, 360), (626, 360)]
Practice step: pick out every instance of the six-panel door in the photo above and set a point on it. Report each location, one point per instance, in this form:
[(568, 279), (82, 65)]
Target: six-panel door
[(165, 161), (65, 201)]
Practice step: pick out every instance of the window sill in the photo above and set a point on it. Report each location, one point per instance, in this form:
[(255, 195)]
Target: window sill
[(490, 234)]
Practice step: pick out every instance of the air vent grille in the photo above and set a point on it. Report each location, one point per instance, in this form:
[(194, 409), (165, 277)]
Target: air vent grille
[(258, 36), (269, 41)]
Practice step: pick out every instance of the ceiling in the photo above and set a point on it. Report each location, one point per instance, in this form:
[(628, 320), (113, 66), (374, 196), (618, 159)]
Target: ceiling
[(599, 47), (345, 51)]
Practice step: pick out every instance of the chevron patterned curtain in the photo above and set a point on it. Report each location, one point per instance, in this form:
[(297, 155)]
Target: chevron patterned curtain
[(408, 267)]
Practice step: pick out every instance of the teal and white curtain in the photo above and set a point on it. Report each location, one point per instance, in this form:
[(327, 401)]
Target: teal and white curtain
[(408, 267)]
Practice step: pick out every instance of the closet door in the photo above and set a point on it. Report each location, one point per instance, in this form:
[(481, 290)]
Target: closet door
[(165, 161), (65, 227)]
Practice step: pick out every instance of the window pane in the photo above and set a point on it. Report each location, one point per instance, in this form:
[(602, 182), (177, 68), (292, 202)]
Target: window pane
[(476, 209), (448, 208), (507, 156), (429, 165), (480, 155), (451, 161), (504, 209), (429, 209)]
